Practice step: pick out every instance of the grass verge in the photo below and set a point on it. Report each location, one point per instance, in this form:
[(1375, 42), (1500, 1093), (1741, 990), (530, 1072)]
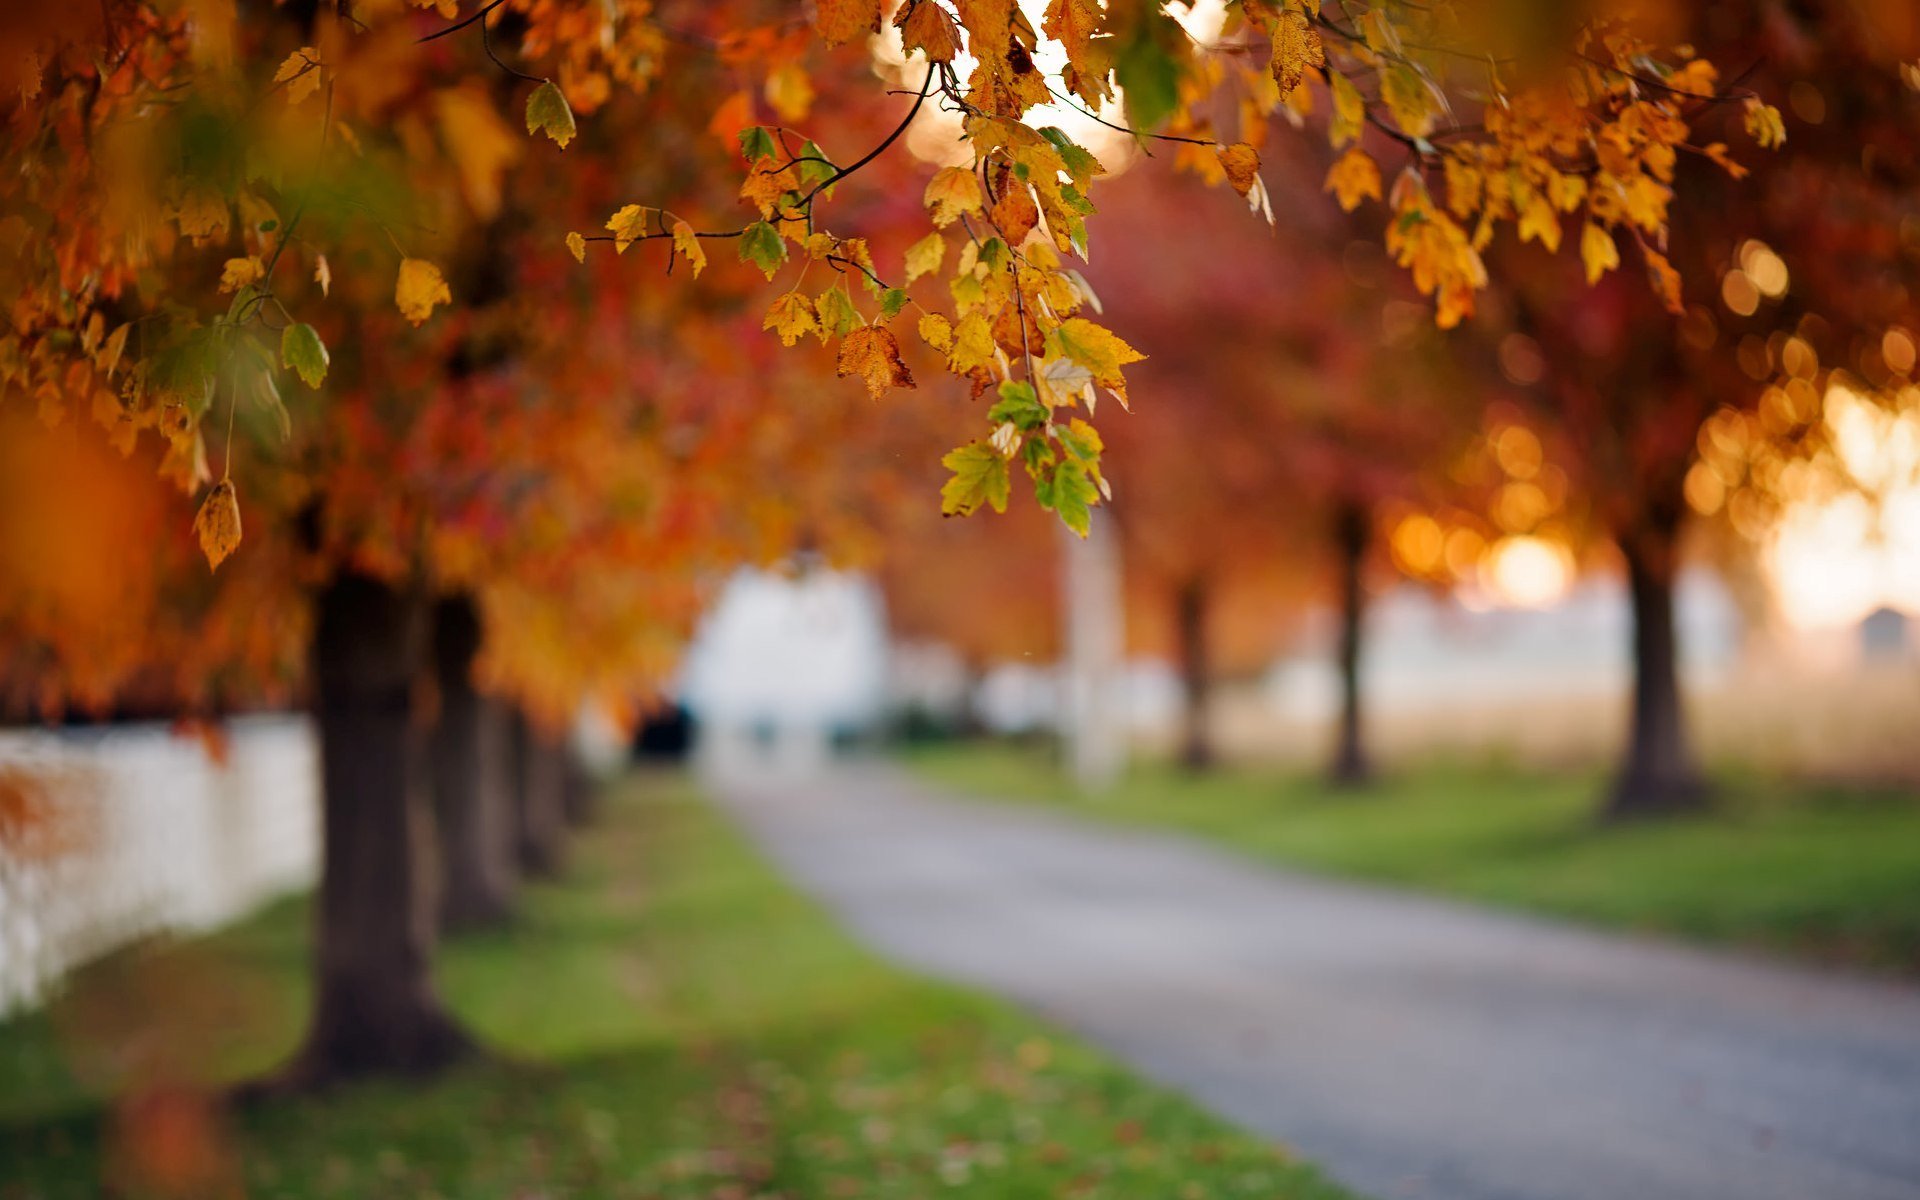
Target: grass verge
[(1829, 874), (670, 1021)]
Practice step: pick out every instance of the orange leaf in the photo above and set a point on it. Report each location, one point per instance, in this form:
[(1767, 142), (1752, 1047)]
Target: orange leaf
[(872, 354)]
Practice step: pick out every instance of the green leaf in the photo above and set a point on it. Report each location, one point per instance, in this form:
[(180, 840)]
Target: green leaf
[(1081, 164), (302, 352), (1018, 405), (813, 167), (891, 302), (1071, 493), (837, 313), (1148, 71), (979, 477), (757, 143), (547, 110), (762, 246)]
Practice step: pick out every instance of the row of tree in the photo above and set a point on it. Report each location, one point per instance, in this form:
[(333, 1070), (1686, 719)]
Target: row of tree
[(294, 259), (1303, 415)]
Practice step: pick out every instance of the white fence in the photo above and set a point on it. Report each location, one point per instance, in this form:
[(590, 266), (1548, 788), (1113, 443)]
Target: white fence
[(110, 834)]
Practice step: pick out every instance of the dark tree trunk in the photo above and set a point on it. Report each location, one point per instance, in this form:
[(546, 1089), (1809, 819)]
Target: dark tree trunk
[(375, 1007), (539, 799), (580, 799), (1660, 776), (472, 802), (1352, 529), (1196, 673)]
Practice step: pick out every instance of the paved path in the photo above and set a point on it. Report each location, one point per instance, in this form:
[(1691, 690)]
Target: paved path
[(1415, 1048)]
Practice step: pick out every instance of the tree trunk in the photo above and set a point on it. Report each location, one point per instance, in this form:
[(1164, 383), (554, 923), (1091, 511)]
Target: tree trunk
[(580, 798), (1660, 776), (1190, 616), (471, 789), (375, 1007), (1352, 528), (539, 799)]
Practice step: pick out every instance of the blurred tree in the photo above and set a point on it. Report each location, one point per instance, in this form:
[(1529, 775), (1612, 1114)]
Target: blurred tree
[(1810, 262)]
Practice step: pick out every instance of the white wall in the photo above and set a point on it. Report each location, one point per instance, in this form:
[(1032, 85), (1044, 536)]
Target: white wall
[(143, 833)]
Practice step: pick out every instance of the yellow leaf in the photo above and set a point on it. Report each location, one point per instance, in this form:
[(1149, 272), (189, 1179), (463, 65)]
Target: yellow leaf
[(951, 192), (547, 109), (790, 91), (792, 317), (872, 354), (217, 525), (577, 246), (419, 288), (628, 226), (972, 343), (687, 242), (1354, 177), (1666, 281), (1539, 222), (323, 274), (241, 272), (935, 331), (1096, 348), (1296, 50), (843, 20), (300, 71), (924, 256), (1764, 124), (1241, 162), (925, 26), (1349, 110), (1598, 251), (481, 144), (116, 345)]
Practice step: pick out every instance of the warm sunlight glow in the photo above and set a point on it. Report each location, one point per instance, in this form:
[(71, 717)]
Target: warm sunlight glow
[(1527, 572), (1832, 559), (935, 135)]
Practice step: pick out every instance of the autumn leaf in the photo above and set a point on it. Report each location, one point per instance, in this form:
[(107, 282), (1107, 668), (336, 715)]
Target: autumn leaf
[(951, 192), (577, 246), (872, 354), (1764, 124), (1241, 162), (547, 110), (217, 525), (1096, 348), (763, 247), (628, 226), (979, 477), (300, 71), (843, 20), (687, 242), (323, 274), (419, 287), (790, 92), (241, 272), (1666, 281), (837, 313), (926, 26), (1354, 177), (1296, 50), (112, 349), (936, 331), (924, 256), (792, 317), (1598, 251), (302, 352)]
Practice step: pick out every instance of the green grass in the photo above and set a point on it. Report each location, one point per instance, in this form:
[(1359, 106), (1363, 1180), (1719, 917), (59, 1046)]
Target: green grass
[(670, 1021), (1826, 873)]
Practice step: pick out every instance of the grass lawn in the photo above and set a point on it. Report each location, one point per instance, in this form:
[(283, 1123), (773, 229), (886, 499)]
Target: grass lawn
[(1819, 872), (669, 1021)]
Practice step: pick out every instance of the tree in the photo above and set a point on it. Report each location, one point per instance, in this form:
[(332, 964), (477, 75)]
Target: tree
[(1635, 382)]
